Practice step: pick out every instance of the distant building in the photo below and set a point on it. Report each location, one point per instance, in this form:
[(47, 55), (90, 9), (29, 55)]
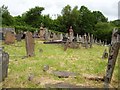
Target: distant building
[(119, 10)]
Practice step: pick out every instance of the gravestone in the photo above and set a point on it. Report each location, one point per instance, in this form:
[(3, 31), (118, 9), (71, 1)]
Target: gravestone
[(114, 50), (35, 35), (91, 41), (61, 36), (4, 62), (77, 38), (9, 37), (19, 36), (29, 44), (46, 35), (85, 40), (71, 34), (55, 36), (105, 54), (1, 36), (42, 33)]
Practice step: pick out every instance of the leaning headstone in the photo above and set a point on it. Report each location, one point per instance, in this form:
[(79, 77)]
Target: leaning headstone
[(29, 44), (4, 62), (114, 50), (9, 37)]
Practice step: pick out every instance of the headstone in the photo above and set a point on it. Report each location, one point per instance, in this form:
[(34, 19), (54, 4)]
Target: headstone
[(77, 38), (4, 62), (29, 44), (1, 36), (105, 54), (42, 33), (71, 34), (85, 40), (35, 35), (114, 50), (9, 37), (55, 36), (61, 36), (19, 36), (46, 35), (91, 41)]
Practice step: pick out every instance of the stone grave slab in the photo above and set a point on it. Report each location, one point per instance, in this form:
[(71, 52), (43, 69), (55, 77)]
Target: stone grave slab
[(64, 74)]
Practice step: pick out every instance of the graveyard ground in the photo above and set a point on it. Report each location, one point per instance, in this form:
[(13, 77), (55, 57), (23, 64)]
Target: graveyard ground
[(84, 62)]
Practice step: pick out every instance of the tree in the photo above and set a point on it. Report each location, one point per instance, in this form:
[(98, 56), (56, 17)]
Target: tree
[(6, 19), (33, 17), (103, 31)]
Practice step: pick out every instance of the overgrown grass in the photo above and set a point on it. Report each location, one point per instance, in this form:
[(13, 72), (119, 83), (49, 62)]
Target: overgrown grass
[(81, 61)]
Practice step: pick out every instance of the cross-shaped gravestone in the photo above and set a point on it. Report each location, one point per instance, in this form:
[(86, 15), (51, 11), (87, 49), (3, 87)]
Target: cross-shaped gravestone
[(29, 44)]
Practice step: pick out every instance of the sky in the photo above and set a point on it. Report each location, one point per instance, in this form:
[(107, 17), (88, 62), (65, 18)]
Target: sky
[(17, 7)]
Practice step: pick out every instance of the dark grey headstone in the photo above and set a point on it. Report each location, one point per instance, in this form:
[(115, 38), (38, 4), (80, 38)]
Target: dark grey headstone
[(19, 36), (4, 61)]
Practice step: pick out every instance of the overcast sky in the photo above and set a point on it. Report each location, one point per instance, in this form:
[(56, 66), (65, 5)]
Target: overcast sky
[(108, 7)]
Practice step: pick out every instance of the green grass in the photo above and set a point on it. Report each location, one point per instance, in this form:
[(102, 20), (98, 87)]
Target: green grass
[(81, 61)]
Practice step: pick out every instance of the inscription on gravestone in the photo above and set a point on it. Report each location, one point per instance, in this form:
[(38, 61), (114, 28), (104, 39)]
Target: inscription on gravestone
[(29, 44)]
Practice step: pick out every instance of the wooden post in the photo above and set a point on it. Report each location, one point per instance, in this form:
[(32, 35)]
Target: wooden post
[(114, 50)]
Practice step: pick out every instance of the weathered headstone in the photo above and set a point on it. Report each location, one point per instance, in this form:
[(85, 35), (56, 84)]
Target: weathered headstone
[(61, 36), (1, 36), (91, 41), (19, 36), (105, 54), (29, 44), (42, 33), (114, 50), (46, 35), (9, 37), (4, 62), (77, 38), (85, 40), (71, 34)]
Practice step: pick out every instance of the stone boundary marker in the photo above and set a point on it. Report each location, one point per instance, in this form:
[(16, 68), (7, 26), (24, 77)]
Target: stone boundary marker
[(29, 40)]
